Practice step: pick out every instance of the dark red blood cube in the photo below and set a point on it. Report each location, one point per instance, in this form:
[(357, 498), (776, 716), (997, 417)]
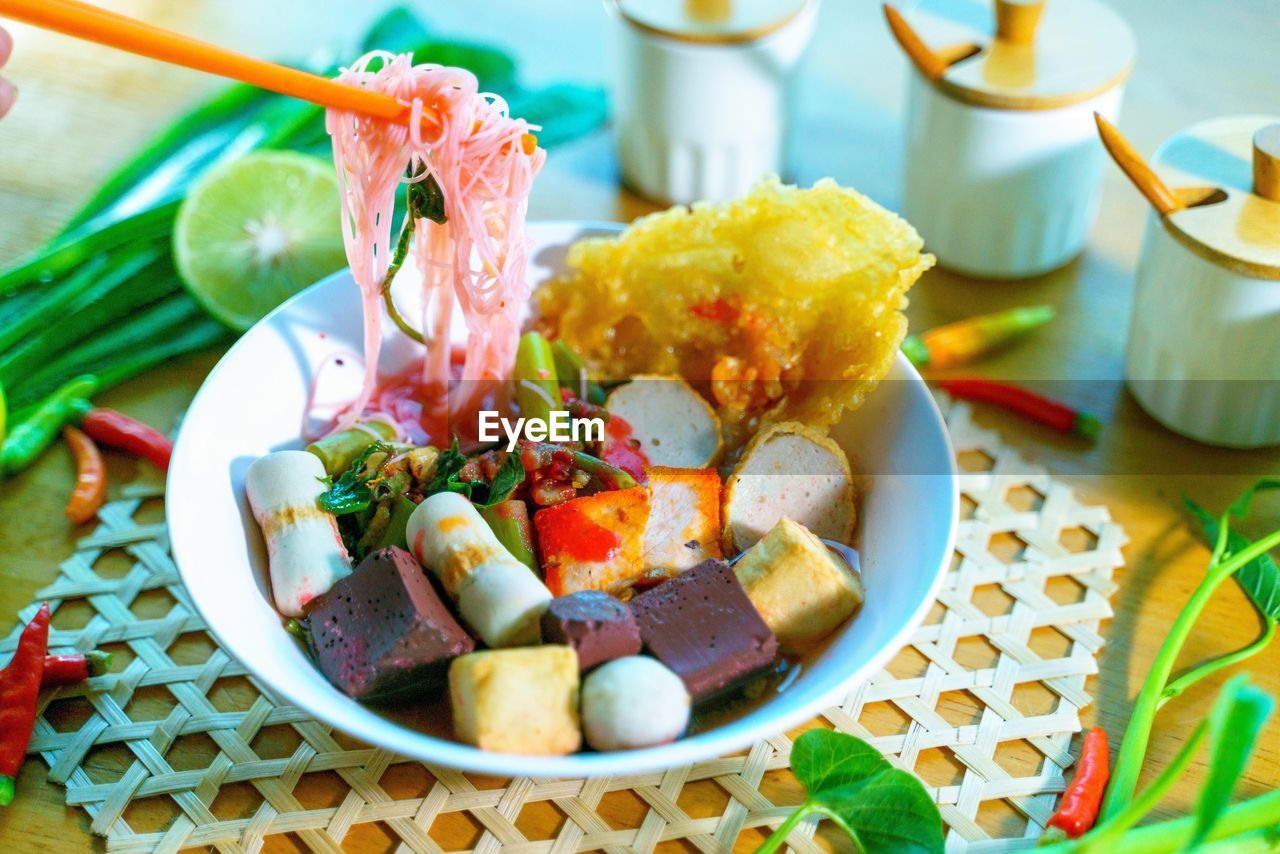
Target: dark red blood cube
[(702, 625), (384, 632), (595, 624)]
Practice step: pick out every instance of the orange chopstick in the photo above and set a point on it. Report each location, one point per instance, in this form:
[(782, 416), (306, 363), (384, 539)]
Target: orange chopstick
[(91, 23)]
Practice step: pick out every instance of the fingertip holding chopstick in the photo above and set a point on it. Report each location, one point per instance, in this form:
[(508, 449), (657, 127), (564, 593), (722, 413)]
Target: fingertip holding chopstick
[(1155, 190), (91, 23)]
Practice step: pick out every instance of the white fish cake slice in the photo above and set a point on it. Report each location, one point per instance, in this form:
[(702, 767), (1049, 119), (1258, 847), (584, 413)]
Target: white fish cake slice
[(675, 426), (794, 471)]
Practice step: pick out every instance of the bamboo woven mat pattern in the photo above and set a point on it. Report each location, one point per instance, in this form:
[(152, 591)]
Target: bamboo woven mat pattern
[(982, 705)]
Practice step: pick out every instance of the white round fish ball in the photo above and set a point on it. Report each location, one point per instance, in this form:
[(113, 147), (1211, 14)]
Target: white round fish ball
[(633, 702)]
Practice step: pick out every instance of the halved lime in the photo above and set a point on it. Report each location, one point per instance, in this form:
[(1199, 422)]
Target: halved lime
[(255, 231)]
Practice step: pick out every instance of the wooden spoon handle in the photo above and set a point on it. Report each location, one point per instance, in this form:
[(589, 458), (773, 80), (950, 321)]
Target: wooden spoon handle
[(1132, 164), (929, 63)]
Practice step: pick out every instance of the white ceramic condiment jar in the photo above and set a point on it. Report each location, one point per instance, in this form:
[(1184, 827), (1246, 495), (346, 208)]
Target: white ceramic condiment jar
[(704, 92), (1204, 339), (1003, 163)]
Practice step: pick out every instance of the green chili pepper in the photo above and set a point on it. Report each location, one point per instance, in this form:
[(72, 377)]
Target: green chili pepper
[(38, 430)]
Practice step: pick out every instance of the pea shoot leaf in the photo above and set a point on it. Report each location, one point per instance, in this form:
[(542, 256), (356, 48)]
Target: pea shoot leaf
[(1237, 717), (1260, 577), (882, 808)]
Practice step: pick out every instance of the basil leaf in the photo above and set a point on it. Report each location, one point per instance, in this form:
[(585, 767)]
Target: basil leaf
[(882, 808), (505, 482), (447, 466), (1237, 717), (351, 493), (462, 487), (1260, 577)]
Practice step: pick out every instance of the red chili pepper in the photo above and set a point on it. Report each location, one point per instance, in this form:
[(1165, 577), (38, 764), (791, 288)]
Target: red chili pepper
[(117, 430), (1082, 799), (19, 689), (91, 477), (73, 669), (1038, 408)]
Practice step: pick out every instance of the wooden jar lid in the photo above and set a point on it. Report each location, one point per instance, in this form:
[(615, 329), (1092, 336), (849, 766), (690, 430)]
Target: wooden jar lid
[(1036, 54), (1227, 172), (710, 21)]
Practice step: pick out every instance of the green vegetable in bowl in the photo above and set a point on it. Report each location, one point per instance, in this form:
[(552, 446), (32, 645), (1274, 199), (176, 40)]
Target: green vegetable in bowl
[(351, 491), (339, 450), (509, 521), (537, 388)]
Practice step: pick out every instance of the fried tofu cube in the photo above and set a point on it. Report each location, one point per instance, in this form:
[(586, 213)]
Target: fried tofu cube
[(521, 700), (593, 542), (800, 589), (684, 520)]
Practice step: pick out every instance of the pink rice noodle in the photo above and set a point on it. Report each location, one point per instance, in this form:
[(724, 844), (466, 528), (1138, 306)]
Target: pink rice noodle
[(475, 262)]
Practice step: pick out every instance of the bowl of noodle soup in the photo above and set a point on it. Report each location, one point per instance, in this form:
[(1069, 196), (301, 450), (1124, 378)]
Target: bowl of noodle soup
[(257, 397)]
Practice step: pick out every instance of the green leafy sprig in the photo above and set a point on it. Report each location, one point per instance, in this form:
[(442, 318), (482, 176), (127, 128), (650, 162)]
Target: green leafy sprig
[(351, 492), (1231, 729), (881, 808)]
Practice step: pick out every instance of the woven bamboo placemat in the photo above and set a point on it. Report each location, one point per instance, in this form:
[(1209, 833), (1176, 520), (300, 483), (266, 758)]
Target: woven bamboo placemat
[(982, 705)]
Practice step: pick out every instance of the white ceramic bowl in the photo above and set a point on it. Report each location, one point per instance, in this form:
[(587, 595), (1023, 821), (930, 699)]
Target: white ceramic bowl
[(253, 403)]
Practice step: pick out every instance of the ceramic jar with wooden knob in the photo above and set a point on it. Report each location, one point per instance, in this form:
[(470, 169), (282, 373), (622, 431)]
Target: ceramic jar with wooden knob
[(1204, 338), (1003, 164), (704, 92)]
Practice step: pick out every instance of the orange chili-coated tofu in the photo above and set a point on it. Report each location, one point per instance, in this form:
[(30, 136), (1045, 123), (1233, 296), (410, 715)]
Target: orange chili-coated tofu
[(684, 519), (594, 542)]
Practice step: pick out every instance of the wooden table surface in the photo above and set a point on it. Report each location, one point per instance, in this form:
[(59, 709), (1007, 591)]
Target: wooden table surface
[(83, 109)]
